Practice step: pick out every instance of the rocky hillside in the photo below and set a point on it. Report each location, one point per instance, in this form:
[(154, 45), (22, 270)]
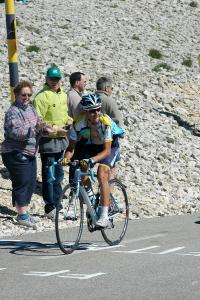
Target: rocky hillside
[(151, 50)]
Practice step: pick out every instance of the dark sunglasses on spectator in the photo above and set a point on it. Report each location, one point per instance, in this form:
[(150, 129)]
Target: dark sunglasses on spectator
[(24, 95), (91, 111), (54, 78)]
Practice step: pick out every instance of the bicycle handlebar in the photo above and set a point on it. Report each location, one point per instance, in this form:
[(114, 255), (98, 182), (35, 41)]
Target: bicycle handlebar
[(75, 163)]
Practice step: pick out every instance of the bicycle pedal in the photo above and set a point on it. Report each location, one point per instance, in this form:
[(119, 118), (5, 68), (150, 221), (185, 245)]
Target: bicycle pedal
[(91, 229)]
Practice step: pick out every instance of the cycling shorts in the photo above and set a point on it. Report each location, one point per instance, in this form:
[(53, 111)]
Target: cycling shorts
[(90, 150)]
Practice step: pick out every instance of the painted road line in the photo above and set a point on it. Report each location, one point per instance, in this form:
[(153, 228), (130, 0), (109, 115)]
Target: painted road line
[(2, 269), (141, 250), (143, 238), (46, 274), (92, 247), (171, 250), (81, 276), (69, 275), (189, 254), (95, 247), (168, 251)]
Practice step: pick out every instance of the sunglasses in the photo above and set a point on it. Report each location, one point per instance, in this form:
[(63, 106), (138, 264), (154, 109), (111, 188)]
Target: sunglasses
[(54, 78), (25, 95), (92, 111)]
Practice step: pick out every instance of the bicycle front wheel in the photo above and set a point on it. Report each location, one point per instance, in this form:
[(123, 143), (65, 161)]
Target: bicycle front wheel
[(118, 214), (69, 220)]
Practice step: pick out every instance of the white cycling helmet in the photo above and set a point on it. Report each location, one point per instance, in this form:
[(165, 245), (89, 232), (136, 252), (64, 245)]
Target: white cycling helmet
[(90, 102)]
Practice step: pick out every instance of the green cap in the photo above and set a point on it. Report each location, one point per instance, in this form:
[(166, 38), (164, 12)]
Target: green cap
[(54, 72)]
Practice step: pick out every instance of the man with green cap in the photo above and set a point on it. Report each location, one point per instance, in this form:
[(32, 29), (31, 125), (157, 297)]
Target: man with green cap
[(51, 104)]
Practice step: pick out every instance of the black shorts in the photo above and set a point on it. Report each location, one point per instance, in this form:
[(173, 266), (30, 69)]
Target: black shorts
[(90, 150)]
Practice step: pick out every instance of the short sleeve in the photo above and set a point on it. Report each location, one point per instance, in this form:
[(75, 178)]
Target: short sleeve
[(108, 134)]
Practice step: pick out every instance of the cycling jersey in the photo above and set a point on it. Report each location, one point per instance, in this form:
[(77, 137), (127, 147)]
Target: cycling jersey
[(104, 131)]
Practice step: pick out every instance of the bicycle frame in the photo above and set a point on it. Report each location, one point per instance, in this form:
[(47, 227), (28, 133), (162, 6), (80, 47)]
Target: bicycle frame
[(81, 192)]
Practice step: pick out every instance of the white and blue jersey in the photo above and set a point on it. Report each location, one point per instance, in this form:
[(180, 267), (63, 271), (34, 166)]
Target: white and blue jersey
[(106, 130)]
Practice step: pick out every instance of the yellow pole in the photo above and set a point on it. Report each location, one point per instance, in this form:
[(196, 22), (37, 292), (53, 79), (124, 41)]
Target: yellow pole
[(12, 45)]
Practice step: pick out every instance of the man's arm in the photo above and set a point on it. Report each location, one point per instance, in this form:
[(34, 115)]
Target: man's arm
[(70, 150)]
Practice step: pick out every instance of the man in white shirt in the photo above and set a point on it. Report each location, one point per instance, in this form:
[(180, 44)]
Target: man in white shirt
[(78, 82)]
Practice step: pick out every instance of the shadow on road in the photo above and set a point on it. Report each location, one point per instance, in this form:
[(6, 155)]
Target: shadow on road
[(28, 248), (4, 210)]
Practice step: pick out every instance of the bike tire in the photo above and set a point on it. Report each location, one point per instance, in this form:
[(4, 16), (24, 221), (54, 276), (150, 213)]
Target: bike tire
[(68, 231), (118, 217)]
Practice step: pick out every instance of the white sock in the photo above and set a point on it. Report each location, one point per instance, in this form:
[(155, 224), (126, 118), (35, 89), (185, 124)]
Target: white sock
[(104, 211)]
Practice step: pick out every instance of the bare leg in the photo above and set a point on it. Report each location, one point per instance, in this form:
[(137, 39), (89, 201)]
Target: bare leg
[(103, 175)]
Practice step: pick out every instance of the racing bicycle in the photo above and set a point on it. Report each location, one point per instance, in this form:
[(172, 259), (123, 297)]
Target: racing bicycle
[(74, 197)]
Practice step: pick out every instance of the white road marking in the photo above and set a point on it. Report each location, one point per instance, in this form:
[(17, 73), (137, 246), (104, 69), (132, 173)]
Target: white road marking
[(95, 247), (81, 276), (171, 250), (168, 251), (1, 269), (45, 274), (92, 247), (69, 275), (143, 238), (190, 254), (141, 250), (10, 241)]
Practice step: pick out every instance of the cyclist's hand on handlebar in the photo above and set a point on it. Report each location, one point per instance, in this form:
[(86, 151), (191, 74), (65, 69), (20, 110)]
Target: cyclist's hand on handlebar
[(65, 161), (85, 163)]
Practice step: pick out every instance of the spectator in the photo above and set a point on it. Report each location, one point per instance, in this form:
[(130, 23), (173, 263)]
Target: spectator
[(21, 130), (51, 105), (77, 82), (104, 88)]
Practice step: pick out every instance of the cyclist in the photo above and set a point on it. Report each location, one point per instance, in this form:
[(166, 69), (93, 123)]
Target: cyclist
[(100, 135)]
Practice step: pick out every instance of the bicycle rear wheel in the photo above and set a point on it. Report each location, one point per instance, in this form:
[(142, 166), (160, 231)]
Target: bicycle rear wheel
[(69, 220), (118, 214)]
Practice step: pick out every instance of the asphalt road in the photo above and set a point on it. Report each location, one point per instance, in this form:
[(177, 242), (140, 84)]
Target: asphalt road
[(158, 259)]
